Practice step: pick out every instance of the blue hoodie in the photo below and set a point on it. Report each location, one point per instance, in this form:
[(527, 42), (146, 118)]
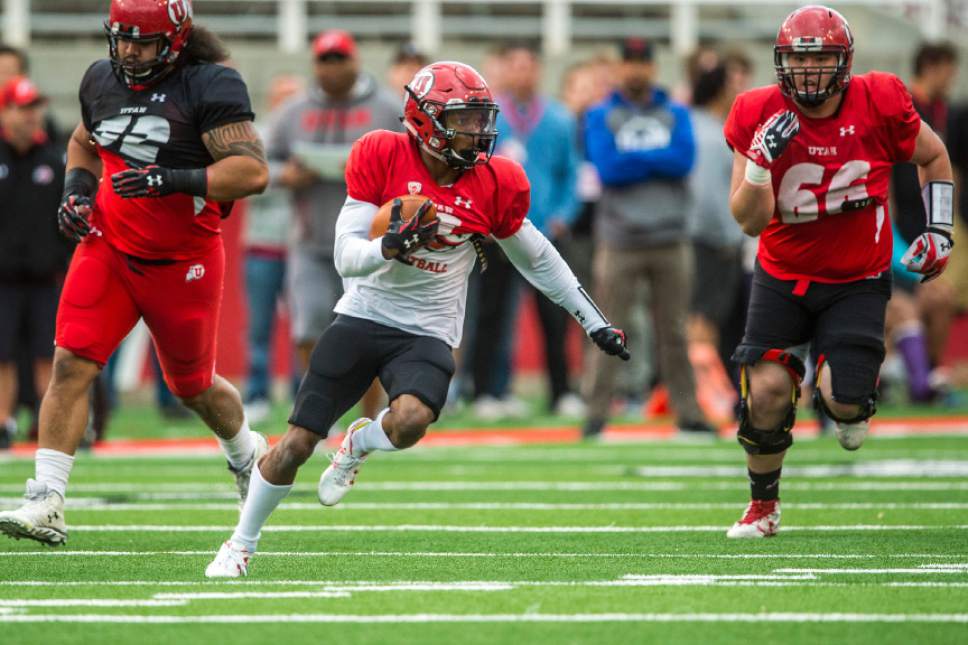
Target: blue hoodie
[(643, 153)]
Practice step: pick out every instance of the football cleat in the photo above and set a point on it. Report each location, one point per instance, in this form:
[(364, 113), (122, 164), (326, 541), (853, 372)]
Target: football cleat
[(761, 519), (341, 474), (242, 475), (851, 435), (231, 561), (41, 518)]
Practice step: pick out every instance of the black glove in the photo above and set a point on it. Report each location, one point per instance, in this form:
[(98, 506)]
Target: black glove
[(155, 181), (403, 238), (611, 341), (772, 138), (72, 216)]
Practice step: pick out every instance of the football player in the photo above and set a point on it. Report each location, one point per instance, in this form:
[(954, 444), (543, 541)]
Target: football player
[(812, 161), (169, 133), (403, 310)]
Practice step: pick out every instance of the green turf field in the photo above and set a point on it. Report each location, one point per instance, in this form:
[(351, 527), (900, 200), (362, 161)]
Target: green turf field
[(553, 544)]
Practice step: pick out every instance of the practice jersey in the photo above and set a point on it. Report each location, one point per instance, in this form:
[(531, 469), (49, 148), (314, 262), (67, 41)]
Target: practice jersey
[(427, 295), (831, 222), (162, 126)]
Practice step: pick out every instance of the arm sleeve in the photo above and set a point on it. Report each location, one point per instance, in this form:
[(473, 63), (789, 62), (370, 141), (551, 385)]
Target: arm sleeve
[(355, 254), (84, 93), (224, 99), (541, 264), (366, 169)]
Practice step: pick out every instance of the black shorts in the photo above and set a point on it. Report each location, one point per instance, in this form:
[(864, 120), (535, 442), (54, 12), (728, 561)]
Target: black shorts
[(28, 319), (844, 322), (351, 353)]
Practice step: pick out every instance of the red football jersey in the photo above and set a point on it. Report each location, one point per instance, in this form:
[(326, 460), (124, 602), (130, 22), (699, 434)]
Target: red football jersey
[(162, 125), (490, 199), (831, 183)]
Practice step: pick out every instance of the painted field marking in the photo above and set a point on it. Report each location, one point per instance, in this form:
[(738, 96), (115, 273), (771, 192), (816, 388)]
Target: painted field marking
[(102, 506), (881, 571), (450, 554), (885, 468), (92, 602), (453, 528), (196, 490), (496, 618)]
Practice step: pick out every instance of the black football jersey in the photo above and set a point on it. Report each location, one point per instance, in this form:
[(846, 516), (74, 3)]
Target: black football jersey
[(163, 124)]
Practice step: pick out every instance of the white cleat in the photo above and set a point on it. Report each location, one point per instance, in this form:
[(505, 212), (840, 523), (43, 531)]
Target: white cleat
[(41, 518), (851, 435), (242, 475), (761, 519), (341, 474), (231, 561)]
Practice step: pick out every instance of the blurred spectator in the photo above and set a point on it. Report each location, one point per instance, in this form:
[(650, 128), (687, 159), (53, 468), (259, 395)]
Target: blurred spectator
[(643, 147), (308, 145), (14, 62), (718, 297), (922, 321), (33, 254), (266, 231), (406, 63), (539, 133), (492, 69)]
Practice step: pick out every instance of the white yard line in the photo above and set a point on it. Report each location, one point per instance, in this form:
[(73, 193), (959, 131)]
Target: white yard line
[(497, 618), (885, 468), (100, 505), (93, 602), (881, 571), (451, 554), (454, 528)]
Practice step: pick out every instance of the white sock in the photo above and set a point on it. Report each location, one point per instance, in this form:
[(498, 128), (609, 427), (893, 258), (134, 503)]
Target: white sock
[(240, 448), (53, 467), (372, 436), (262, 500)]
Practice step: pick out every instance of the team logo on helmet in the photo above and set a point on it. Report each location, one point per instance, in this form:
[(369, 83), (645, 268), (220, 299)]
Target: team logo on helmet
[(179, 10), (422, 83)]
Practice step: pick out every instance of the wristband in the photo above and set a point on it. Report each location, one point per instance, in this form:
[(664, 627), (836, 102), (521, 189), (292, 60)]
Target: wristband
[(193, 181), (756, 174), (79, 181), (938, 198)]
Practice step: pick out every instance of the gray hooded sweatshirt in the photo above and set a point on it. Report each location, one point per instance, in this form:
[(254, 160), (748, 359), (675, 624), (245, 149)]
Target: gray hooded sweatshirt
[(314, 125)]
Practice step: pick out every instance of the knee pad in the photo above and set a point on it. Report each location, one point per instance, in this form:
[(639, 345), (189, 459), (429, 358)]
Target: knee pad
[(867, 402), (774, 440)]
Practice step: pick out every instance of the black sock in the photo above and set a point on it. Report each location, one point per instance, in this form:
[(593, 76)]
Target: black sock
[(765, 486)]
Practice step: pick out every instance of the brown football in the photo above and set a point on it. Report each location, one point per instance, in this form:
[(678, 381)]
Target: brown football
[(410, 205)]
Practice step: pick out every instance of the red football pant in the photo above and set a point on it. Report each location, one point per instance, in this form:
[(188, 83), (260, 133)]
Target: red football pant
[(106, 292)]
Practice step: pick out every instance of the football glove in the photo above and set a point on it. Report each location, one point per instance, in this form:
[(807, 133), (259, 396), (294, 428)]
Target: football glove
[(611, 341), (156, 181), (772, 138), (72, 217), (929, 253), (403, 238)]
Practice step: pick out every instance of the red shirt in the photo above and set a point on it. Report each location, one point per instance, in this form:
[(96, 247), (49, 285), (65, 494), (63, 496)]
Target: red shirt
[(490, 199), (831, 223)]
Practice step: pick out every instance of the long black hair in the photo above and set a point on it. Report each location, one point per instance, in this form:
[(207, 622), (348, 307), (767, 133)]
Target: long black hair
[(204, 47)]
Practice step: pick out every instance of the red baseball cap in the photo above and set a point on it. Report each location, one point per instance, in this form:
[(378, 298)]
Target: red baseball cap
[(334, 41), (20, 91)]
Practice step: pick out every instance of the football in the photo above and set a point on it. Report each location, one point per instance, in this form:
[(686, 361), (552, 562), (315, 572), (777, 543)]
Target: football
[(410, 205)]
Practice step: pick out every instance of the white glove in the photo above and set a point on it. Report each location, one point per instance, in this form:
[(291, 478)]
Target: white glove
[(928, 254)]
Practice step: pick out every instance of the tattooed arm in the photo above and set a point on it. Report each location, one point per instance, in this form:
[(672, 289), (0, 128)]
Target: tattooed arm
[(240, 167)]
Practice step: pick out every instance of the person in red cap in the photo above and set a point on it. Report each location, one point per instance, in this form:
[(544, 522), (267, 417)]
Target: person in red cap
[(307, 147), (33, 256)]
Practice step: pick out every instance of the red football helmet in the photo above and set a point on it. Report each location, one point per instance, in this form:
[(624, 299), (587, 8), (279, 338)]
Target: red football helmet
[(813, 29), (167, 21), (446, 100)]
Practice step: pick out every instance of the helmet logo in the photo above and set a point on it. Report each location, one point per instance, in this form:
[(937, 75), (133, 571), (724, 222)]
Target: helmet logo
[(179, 11), (422, 83), (808, 43)]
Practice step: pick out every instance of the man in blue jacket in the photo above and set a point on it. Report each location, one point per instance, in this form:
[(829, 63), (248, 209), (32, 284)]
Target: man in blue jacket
[(642, 145)]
